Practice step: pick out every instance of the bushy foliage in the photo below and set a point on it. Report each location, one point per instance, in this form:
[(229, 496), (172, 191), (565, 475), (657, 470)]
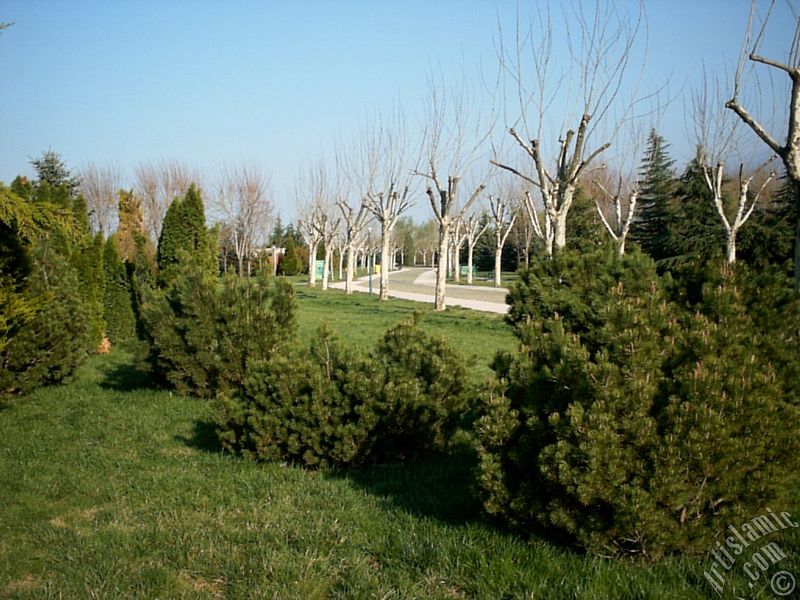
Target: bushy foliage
[(327, 406), (574, 286), (48, 322), (314, 407), (57, 335), (290, 263), (636, 425), (203, 330)]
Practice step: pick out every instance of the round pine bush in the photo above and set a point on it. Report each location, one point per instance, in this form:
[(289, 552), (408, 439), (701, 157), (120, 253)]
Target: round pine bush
[(327, 406), (638, 426)]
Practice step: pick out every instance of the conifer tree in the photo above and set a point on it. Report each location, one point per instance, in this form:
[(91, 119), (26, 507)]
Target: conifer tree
[(290, 264), (118, 309), (650, 228), (695, 231), (52, 170), (131, 224), (183, 235)]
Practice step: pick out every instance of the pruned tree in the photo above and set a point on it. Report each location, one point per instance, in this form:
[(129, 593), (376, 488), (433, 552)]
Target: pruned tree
[(314, 199), (622, 200), (452, 145), (475, 225), (522, 235), (745, 204), (157, 184), (100, 186), (503, 210), (588, 90), (426, 241), (244, 203), (717, 137), (355, 215), (384, 173), (789, 149), (327, 226)]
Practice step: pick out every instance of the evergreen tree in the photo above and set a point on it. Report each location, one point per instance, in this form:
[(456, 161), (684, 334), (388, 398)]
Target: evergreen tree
[(584, 228), (290, 264), (183, 235), (117, 306), (769, 236), (650, 228), (695, 229), (131, 224), (52, 170)]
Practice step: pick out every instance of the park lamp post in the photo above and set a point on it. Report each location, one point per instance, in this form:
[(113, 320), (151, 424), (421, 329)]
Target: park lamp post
[(369, 257)]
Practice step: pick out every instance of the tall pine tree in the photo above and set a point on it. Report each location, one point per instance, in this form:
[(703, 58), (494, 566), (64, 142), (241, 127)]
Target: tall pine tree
[(650, 228)]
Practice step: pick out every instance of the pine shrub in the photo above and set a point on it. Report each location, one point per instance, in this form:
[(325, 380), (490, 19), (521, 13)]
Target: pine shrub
[(638, 425), (326, 406), (204, 331)]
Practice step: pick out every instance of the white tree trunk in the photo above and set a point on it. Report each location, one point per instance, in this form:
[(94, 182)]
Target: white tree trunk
[(498, 262), (312, 259), (326, 267), (441, 269), (385, 260), (351, 259)]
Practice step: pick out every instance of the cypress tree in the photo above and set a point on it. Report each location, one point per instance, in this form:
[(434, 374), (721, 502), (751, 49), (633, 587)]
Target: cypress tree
[(118, 310), (650, 228), (184, 235), (290, 263), (131, 224)]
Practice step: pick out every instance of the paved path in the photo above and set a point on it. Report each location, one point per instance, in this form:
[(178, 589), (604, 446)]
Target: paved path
[(418, 283)]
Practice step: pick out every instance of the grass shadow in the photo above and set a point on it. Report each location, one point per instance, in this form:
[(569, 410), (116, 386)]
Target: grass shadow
[(203, 438), (438, 486), (129, 376)]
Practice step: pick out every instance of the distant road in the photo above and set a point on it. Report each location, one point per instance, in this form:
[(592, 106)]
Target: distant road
[(418, 283)]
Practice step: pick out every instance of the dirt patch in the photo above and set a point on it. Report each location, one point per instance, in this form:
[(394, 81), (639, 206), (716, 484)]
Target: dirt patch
[(27, 583)]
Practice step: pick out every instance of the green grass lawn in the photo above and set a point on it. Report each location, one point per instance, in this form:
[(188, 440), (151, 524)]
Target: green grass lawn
[(111, 489), (361, 320)]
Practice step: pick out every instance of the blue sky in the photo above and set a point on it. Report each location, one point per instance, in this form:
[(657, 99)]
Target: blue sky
[(122, 82)]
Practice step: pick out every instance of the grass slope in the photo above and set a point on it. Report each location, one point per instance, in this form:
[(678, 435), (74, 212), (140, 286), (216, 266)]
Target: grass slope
[(110, 489)]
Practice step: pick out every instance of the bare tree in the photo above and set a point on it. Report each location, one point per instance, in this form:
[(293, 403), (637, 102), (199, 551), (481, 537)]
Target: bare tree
[(621, 197), (475, 225), (426, 241), (354, 218), (157, 185), (457, 239), (746, 202), (452, 143), (522, 235), (789, 150), (100, 186), (384, 170), (587, 90), (503, 213), (327, 226), (245, 205)]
